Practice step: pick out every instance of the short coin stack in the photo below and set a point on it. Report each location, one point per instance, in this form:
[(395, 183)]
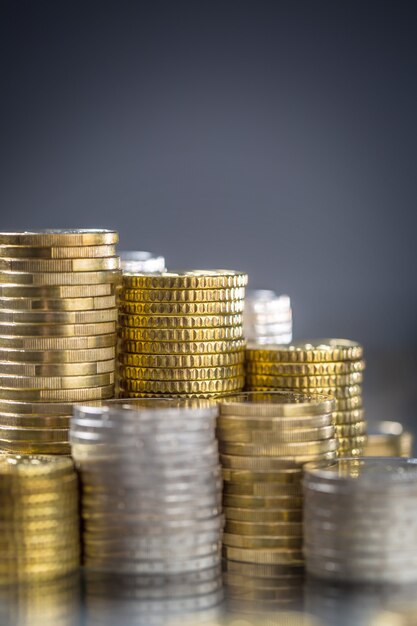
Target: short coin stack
[(181, 333), (388, 439), (264, 440), (58, 316), (39, 526), (143, 262), (360, 520), (267, 317), (324, 366), (151, 487)]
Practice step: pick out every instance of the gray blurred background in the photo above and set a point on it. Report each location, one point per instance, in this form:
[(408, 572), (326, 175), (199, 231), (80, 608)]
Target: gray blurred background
[(273, 137)]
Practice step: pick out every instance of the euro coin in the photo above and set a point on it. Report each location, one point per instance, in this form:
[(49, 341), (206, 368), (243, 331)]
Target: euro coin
[(56, 330), (185, 347), (49, 370), (57, 395), (180, 334), (52, 279), (46, 305), (316, 350), (178, 309), (57, 343), (41, 266), (342, 418), (183, 374), (179, 361), (336, 368), (179, 322), (58, 317), (56, 357), (57, 292), (350, 430), (197, 386), (56, 383), (192, 279), (183, 295), (61, 238), (56, 252)]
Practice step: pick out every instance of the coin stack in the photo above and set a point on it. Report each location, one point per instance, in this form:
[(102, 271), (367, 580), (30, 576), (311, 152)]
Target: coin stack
[(360, 520), (324, 366), (181, 333), (388, 439), (143, 262), (267, 318), (264, 439), (39, 518), (58, 316), (151, 486)]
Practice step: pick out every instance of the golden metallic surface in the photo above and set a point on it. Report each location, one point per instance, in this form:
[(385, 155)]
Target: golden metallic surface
[(269, 403), (263, 515), (350, 430), (264, 529), (256, 463), (56, 357), (52, 279), (192, 279), (181, 334), (183, 295), (33, 408), (22, 447), (274, 425), (310, 351), (58, 343), (55, 382), (257, 542), (306, 382), (18, 468), (57, 317), (61, 238), (59, 265), (277, 449), (357, 441), (179, 322), (261, 489), (178, 396), (253, 380), (180, 361), (262, 502), (283, 478), (37, 422), (34, 436), (348, 417), (349, 404), (197, 386), (57, 292), (273, 556), (56, 369), (291, 435), (186, 374), (185, 347), (57, 252), (305, 369), (58, 307), (389, 445), (181, 309), (57, 395), (56, 330)]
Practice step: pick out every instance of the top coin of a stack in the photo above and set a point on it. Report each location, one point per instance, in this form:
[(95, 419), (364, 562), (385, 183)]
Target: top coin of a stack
[(65, 252), (275, 404), (60, 238), (310, 351), (192, 279)]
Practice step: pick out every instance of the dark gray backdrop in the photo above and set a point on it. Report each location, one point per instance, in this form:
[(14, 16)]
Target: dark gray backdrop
[(274, 137)]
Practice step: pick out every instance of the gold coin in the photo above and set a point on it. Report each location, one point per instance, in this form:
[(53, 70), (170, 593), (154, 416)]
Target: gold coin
[(349, 404), (291, 435), (179, 322), (274, 425), (268, 382), (123, 394), (262, 502), (60, 238), (284, 477), (348, 417), (57, 369), (44, 307), (65, 252), (350, 430), (56, 357), (196, 386), (266, 463), (262, 489), (357, 441), (183, 295), (276, 404), (58, 343), (30, 408), (56, 292), (311, 351), (272, 556), (57, 395), (59, 265), (310, 382), (53, 279), (186, 374), (58, 317), (276, 449), (381, 444), (56, 330), (179, 361), (180, 309), (193, 279), (264, 529), (185, 347), (34, 436), (58, 383), (305, 369), (37, 422), (23, 447), (28, 468), (262, 515), (181, 334), (259, 542)]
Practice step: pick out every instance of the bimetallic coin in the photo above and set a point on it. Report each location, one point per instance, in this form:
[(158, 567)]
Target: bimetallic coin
[(183, 374), (61, 238), (59, 265), (305, 369), (182, 295), (192, 279), (315, 350), (179, 361), (57, 317), (177, 322), (221, 307), (185, 347), (56, 252)]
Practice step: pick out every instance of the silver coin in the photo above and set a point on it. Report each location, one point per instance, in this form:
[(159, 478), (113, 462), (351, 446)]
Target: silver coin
[(132, 553), (156, 592), (140, 542), (152, 581), (150, 567)]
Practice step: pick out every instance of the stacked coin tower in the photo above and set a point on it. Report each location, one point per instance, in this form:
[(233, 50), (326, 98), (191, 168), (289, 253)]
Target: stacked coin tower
[(267, 318), (181, 333), (360, 520), (151, 487), (264, 439), (388, 439), (39, 518), (324, 366), (143, 262), (58, 316)]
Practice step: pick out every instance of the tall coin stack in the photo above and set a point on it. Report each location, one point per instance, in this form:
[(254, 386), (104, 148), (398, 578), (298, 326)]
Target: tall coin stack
[(39, 526), (360, 520), (58, 316), (325, 366), (151, 489), (264, 440), (181, 333), (143, 262), (267, 317)]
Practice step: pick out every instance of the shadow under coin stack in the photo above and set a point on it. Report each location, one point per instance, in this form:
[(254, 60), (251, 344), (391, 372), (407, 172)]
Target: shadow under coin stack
[(151, 494), (360, 520), (264, 440), (322, 366), (267, 317), (39, 526), (181, 333), (58, 316)]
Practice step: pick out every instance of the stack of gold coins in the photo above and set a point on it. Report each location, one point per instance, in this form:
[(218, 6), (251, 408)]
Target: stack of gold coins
[(388, 439), (325, 366), (264, 440), (58, 316), (181, 333), (39, 518)]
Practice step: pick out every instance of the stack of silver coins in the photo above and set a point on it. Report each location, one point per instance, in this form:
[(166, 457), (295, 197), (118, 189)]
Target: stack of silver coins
[(143, 262), (360, 520), (267, 317), (151, 487)]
